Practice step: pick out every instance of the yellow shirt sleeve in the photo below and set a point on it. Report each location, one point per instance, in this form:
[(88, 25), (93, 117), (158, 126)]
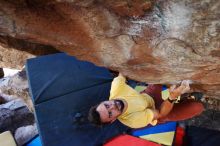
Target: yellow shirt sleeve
[(151, 117), (117, 84)]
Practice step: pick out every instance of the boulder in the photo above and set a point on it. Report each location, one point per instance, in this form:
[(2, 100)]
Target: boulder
[(25, 134), (13, 115), (153, 41)]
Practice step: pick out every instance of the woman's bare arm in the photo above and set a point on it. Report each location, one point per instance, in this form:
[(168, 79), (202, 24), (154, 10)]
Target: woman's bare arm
[(167, 105)]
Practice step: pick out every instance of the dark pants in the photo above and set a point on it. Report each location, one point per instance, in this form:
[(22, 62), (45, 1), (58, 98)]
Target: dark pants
[(181, 111)]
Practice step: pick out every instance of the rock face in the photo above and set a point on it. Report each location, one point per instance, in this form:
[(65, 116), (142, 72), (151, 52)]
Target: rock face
[(153, 41), (15, 87)]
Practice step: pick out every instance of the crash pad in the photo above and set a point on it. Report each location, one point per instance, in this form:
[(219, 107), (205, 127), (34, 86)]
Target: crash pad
[(6, 139), (35, 142), (63, 89), (128, 140), (198, 136), (52, 76), (161, 133)]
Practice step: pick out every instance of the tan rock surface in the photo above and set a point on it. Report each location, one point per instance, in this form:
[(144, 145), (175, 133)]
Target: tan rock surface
[(16, 87), (153, 41), (14, 52)]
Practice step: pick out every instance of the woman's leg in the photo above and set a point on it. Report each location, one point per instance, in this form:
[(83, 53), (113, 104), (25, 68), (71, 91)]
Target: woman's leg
[(154, 90), (181, 111)]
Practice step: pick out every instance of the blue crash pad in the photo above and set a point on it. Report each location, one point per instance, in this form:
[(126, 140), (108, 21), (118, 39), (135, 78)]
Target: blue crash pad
[(35, 142), (161, 133), (63, 89), (160, 128)]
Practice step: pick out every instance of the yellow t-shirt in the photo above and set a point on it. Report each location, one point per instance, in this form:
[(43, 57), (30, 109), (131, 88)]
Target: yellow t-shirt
[(138, 113)]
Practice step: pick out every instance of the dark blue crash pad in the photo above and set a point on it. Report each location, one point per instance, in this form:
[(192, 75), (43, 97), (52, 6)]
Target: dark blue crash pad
[(63, 89)]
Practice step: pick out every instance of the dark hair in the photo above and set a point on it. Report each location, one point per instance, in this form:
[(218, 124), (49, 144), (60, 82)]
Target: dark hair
[(94, 116)]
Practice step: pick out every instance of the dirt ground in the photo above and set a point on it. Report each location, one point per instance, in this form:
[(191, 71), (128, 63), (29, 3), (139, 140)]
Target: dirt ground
[(210, 118)]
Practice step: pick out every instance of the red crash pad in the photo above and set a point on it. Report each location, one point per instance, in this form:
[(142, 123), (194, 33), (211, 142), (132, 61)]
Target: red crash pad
[(128, 140)]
